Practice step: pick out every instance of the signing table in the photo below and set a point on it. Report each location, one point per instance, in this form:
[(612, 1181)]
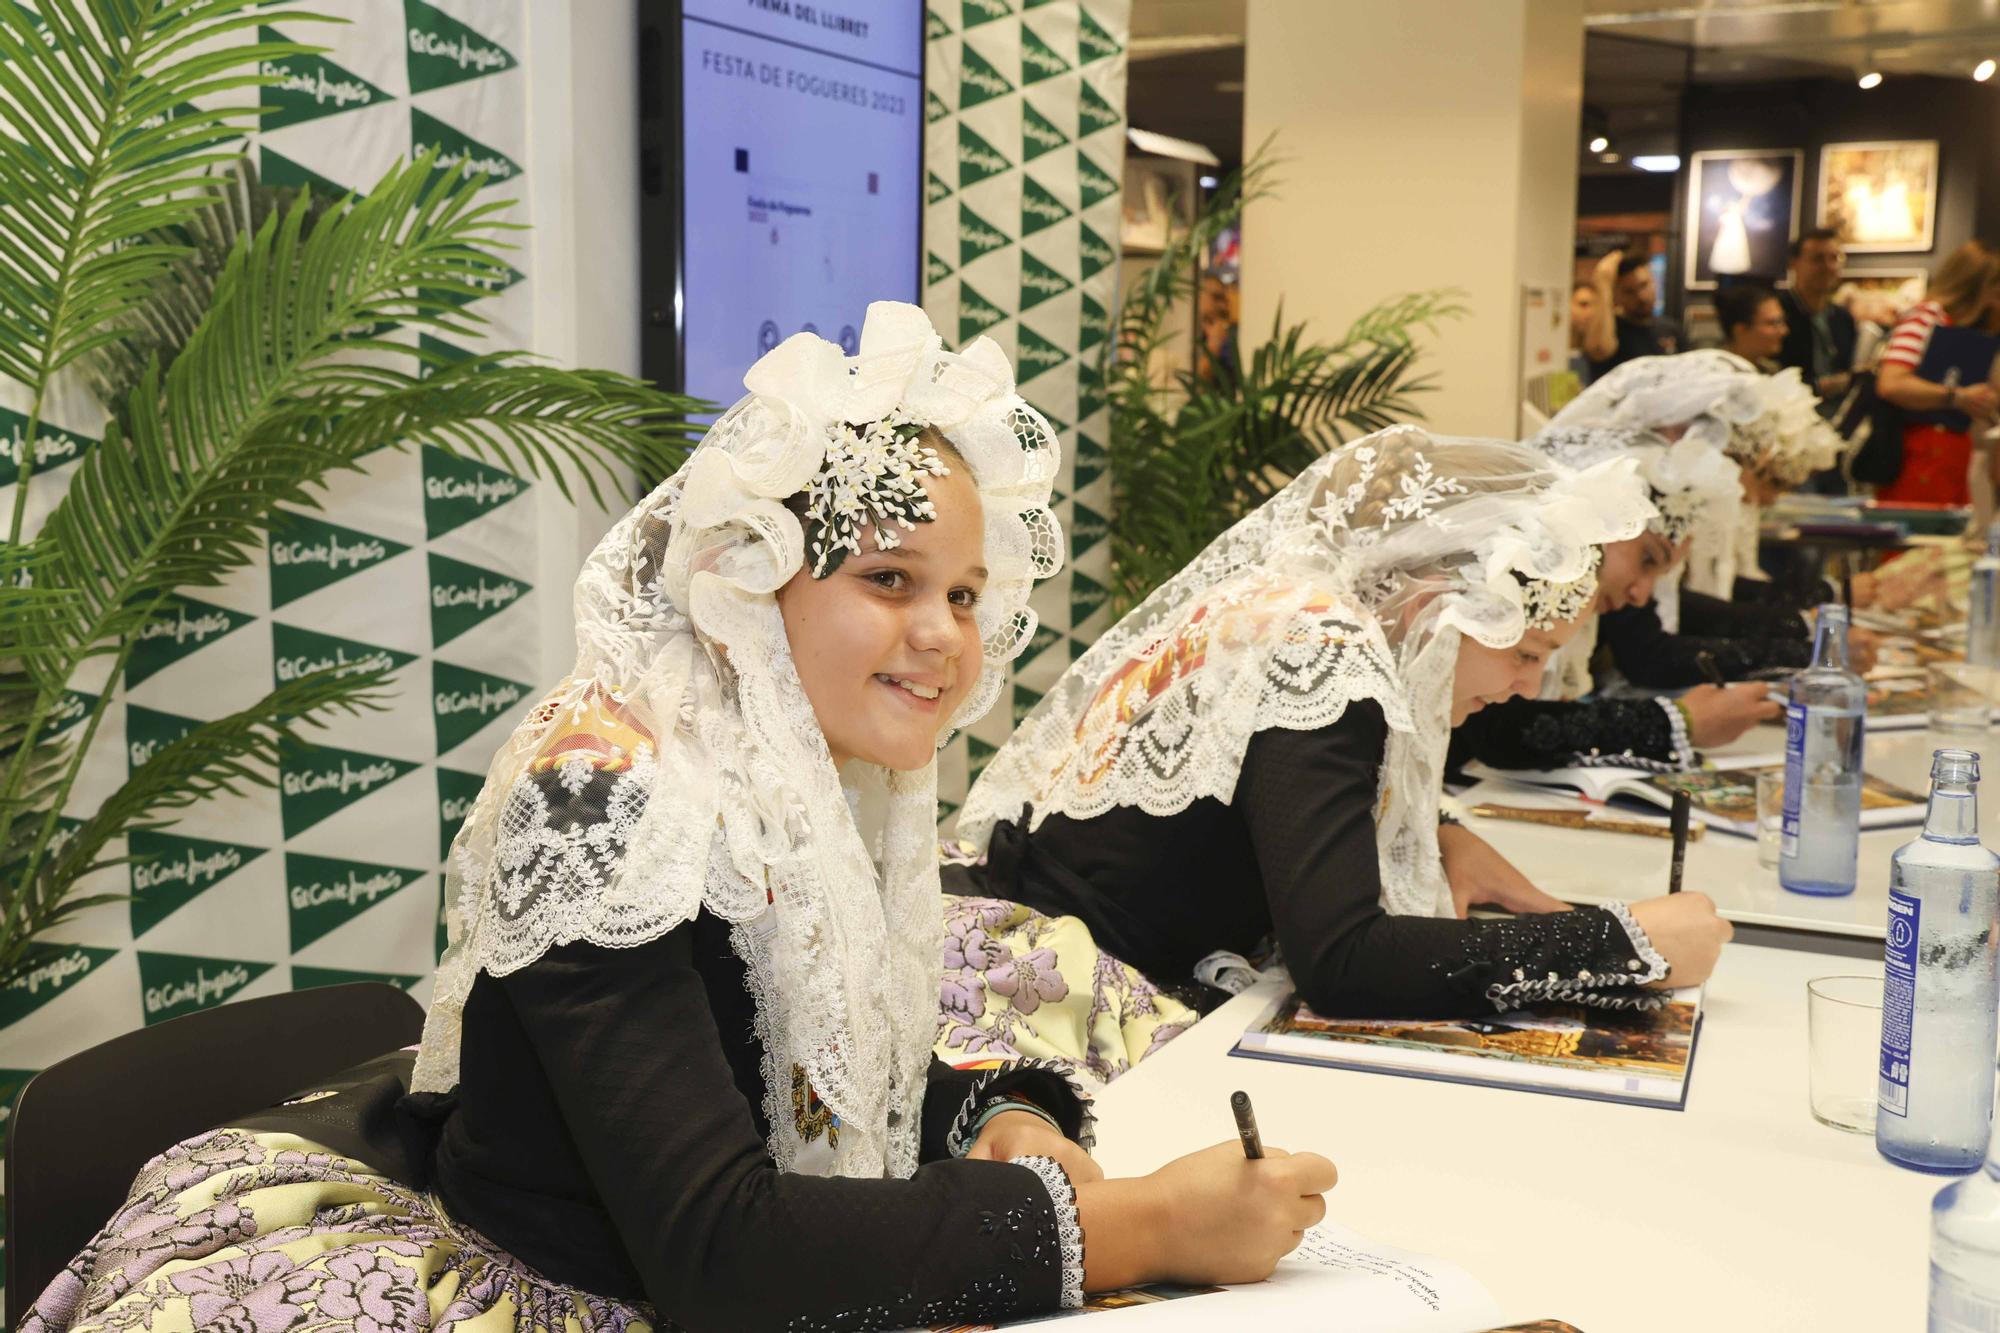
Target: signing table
[(1741, 1212), (1587, 866)]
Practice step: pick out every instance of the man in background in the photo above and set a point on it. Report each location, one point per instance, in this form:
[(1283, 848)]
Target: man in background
[(1820, 336), (1622, 326)]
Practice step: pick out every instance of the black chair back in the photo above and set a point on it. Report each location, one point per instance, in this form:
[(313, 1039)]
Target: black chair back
[(82, 1128)]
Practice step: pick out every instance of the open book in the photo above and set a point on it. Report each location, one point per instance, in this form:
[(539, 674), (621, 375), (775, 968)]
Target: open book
[(1725, 798), (1643, 1059), (1335, 1279)]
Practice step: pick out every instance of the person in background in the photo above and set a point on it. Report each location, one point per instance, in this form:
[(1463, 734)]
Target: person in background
[(1217, 363), (1940, 413), (1583, 306), (1753, 323), (1819, 334), (1622, 326)]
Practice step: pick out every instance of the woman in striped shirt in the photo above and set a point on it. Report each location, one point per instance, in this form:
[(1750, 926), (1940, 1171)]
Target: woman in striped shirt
[(1914, 375)]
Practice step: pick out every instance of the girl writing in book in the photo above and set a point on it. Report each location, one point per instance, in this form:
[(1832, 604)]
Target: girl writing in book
[(1255, 754), (677, 1065), (1769, 425), (1695, 491)]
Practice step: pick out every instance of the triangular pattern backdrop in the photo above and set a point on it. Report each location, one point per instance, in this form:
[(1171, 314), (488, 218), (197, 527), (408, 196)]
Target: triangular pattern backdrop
[(423, 563), (1026, 148)]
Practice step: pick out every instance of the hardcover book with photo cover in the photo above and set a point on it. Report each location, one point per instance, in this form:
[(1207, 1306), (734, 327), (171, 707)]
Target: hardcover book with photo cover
[(1643, 1059)]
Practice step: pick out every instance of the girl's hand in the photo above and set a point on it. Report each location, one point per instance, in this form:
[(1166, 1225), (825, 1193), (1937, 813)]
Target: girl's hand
[(1230, 1219), (1718, 714), (1479, 876), (1687, 931), (1014, 1134)]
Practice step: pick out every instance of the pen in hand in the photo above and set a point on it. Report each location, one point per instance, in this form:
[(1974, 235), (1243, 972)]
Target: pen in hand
[(1246, 1125), (1683, 806), (1709, 670)]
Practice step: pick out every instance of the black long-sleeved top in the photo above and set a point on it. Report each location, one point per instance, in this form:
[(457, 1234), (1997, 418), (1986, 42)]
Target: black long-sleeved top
[(1741, 638), (1550, 733), (608, 1130), (1292, 855)]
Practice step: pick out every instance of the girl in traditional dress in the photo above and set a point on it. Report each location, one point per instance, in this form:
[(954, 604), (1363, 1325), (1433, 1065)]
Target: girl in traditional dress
[(677, 1065), (1255, 753)]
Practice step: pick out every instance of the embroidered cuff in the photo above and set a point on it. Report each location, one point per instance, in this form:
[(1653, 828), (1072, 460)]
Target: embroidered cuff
[(972, 1113), (1602, 990), (1677, 728), (1069, 1232)]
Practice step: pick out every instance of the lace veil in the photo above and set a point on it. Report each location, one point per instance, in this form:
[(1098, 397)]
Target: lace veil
[(679, 766), (1693, 485), (1767, 423), (1354, 582)]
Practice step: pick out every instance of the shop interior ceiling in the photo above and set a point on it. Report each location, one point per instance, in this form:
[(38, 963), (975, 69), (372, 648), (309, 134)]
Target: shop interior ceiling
[(1187, 59)]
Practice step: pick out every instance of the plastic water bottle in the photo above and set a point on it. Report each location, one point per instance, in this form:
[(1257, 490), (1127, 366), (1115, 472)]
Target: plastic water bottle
[(1934, 1100), (1822, 828), (1982, 636), (1965, 1253)]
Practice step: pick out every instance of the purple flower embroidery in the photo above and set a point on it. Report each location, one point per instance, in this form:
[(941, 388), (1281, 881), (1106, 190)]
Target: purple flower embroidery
[(247, 1295), (1030, 980), (969, 946), (372, 1293), (963, 996)]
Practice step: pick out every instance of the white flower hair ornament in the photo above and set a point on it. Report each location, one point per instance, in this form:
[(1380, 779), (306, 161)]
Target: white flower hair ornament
[(846, 435), (1691, 482), (1768, 422), (1543, 571)]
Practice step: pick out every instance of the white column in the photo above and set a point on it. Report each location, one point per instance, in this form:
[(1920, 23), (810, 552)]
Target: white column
[(1428, 143)]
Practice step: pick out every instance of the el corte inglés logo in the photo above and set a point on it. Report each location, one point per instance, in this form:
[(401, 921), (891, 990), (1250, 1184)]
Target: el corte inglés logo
[(175, 984), (345, 778), (330, 552), (315, 84)]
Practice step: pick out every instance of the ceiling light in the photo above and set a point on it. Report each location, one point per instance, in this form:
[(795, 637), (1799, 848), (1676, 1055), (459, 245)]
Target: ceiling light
[(1209, 182), (1657, 161), (1872, 79), (1609, 157), (1983, 70), (1599, 144)]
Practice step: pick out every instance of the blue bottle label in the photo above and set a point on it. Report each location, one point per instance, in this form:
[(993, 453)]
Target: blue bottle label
[(1795, 777), (1899, 1002)]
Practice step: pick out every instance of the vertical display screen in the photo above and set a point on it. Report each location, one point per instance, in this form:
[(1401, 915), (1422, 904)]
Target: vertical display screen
[(802, 158)]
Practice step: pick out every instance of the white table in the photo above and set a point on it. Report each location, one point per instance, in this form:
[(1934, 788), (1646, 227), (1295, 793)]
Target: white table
[(1588, 867), (1741, 1212)]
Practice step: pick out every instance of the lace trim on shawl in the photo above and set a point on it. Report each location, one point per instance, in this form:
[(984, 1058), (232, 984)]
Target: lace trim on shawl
[(1170, 728), (1069, 1232)]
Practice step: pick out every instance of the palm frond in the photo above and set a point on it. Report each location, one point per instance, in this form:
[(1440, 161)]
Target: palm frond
[(532, 419), (231, 755), (104, 149)]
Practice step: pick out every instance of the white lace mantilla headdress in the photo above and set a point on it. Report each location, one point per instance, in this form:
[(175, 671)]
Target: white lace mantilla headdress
[(679, 767), (1691, 482), (1769, 423), (1354, 582)]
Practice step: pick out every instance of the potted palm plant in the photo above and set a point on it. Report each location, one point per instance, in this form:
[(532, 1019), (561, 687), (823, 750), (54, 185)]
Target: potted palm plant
[(239, 342), (1192, 454)]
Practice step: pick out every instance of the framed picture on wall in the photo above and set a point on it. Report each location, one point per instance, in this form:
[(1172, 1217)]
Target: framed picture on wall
[(1882, 196), (1743, 211)]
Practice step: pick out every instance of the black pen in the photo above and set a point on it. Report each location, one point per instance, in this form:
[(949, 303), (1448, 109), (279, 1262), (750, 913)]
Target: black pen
[(1683, 805), (1246, 1125), (1706, 661)]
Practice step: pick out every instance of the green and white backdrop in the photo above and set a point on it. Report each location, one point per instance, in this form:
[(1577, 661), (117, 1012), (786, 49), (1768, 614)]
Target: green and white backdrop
[(429, 563), (424, 561), (1026, 151)]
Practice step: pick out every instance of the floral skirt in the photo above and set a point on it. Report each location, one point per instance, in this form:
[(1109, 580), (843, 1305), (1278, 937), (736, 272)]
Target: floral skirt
[(269, 1233), (1018, 983)]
